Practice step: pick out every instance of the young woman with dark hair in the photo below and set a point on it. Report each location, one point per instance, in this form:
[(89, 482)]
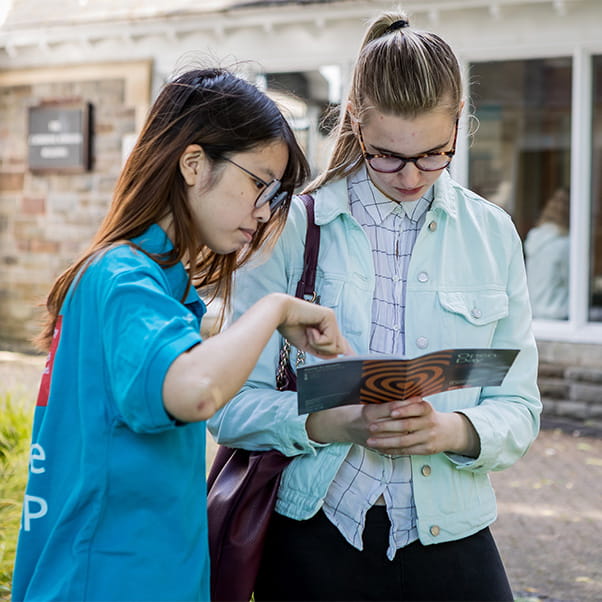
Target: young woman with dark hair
[(115, 503)]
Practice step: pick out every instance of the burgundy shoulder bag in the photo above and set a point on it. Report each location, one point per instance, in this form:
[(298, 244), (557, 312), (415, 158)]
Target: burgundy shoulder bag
[(242, 485)]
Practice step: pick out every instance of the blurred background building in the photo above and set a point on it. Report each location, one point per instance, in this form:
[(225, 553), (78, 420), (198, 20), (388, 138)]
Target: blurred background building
[(77, 76)]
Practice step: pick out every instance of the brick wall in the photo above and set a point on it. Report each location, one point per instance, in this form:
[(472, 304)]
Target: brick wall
[(570, 381), (47, 220)]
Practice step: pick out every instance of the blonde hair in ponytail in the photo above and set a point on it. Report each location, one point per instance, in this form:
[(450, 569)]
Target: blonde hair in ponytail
[(399, 71)]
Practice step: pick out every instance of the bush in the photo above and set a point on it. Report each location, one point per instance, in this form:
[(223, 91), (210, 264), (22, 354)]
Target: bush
[(15, 435)]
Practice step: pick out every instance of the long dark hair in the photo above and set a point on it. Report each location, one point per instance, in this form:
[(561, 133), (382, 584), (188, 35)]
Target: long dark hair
[(224, 114)]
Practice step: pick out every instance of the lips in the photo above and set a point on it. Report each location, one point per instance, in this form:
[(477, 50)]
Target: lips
[(248, 233)]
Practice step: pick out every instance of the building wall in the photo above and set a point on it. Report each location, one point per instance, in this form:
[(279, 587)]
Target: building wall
[(570, 381), (46, 220)]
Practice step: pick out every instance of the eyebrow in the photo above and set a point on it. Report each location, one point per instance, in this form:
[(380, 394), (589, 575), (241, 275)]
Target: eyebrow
[(386, 151), (269, 173)]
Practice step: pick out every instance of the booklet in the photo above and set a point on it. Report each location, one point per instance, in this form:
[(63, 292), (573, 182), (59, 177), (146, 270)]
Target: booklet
[(378, 378)]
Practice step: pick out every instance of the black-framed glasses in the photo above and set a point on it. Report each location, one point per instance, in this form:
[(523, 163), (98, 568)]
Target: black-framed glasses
[(270, 191), (391, 163)]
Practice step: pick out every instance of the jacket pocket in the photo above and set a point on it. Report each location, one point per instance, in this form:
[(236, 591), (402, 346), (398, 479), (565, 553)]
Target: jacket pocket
[(350, 298), (472, 316)]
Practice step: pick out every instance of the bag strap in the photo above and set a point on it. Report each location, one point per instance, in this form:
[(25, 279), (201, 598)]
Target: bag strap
[(306, 287)]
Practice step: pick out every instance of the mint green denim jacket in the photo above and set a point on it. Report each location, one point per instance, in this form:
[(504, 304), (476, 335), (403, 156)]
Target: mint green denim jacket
[(466, 288)]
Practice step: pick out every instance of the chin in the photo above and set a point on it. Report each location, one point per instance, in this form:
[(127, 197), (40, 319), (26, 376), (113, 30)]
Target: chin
[(400, 196), (236, 249), (223, 248), (227, 251)]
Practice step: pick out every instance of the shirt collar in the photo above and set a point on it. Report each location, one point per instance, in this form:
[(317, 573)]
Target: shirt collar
[(378, 206), (156, 242)]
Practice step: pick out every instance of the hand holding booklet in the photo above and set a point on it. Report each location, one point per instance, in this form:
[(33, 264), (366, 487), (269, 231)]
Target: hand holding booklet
[(379, 379)]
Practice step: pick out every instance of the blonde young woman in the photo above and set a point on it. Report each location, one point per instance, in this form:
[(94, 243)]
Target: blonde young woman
[(393, 501), (115, 504)]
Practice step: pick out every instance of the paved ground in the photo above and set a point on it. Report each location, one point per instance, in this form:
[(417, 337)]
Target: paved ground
[(549, 528)]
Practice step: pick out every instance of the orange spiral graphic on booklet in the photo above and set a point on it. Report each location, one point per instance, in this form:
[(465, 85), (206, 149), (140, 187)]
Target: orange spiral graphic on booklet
[(386, 380)]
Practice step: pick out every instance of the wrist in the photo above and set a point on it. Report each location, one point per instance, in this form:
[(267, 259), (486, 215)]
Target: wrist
[(279, 306), (328, 426), (465, 440), (318, 427)]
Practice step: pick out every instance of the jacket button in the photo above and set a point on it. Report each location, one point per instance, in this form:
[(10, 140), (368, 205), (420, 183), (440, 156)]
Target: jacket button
[(426, 470), (476, 313), (435, 530), (433, 226), (422, 342), (423, 277)]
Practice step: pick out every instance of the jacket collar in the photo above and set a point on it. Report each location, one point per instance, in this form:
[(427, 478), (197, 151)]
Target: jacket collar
[(332, 200), (445, 199)]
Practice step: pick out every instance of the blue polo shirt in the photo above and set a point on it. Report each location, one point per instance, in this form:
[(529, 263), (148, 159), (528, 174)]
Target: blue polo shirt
[(115, 505)]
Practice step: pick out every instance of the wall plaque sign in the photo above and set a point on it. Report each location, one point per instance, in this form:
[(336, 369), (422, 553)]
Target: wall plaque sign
[(59, 137)]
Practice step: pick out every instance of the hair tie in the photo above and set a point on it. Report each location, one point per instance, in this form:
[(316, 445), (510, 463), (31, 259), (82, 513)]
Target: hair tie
[(401, 24)]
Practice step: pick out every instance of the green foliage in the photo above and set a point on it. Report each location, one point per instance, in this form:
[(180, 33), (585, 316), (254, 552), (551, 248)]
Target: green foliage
[(15, 435)]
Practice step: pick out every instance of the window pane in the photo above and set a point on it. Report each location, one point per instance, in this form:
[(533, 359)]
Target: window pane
[(596, 218), (520, 159)]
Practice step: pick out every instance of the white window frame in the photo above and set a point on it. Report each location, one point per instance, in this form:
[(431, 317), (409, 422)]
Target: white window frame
[(577, 329)]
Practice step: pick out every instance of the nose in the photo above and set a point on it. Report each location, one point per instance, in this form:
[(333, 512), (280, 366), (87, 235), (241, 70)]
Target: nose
[(410, 175), (263, 213)]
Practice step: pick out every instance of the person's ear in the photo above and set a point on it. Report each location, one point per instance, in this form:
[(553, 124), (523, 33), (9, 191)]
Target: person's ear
[(191, 163)]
